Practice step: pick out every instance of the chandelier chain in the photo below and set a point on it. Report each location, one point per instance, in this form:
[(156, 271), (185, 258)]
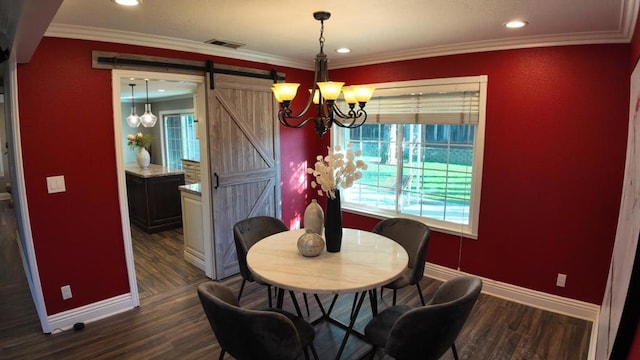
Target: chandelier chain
[(146, 83), (321, 39)]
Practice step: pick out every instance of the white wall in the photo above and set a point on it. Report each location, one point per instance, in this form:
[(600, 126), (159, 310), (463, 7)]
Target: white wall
[(155, 132), (4, 159), (626, 243)]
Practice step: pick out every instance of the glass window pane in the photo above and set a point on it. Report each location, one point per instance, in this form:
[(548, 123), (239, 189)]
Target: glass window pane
[(420, 160), (180, 141), (415, 169)]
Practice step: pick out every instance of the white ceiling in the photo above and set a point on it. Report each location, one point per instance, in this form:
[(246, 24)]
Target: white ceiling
[(158, 89), (283, 32)]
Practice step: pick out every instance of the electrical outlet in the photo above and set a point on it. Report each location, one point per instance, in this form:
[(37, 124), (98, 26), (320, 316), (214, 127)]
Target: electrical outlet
[(66, 292), (562, 280)]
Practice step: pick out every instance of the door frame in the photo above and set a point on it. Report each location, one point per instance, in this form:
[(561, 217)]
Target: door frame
[(116, 77), (19, 193)]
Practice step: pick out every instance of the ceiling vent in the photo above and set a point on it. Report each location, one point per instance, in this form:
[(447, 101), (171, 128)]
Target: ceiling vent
[(224, 43)]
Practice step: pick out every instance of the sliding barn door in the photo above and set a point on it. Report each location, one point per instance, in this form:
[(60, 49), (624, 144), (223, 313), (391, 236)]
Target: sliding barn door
[(244, 158)]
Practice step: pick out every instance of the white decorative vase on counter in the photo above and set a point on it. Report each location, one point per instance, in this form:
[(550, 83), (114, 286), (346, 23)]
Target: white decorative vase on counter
[(314, 217), (143, 158)]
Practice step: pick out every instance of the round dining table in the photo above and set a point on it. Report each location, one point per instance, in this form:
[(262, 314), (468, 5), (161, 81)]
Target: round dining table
[(365, 262)]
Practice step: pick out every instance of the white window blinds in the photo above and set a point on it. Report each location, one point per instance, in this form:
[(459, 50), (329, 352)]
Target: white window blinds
[(427, 104)]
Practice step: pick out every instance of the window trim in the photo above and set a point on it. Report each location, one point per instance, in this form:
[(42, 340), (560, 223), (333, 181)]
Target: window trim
[(470, 230)]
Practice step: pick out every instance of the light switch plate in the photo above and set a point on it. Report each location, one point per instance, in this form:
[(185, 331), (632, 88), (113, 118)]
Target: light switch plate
[(55, 184)]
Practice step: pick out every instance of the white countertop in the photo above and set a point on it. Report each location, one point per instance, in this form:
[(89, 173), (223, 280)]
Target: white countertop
[(152, 171), (191, 188)]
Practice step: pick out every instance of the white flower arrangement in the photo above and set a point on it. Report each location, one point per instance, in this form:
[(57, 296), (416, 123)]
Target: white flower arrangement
[(139, 141), (336, 169)]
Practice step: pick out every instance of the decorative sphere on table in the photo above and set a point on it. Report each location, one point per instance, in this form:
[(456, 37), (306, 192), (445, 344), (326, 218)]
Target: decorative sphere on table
[(310, 244)]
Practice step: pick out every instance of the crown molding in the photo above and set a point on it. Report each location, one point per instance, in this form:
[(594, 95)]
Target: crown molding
[(163, 42), (485, 46), (628, 18)]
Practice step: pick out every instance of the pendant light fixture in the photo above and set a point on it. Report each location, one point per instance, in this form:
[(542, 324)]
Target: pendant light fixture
[(324, 94), (148, 119), (133, 119)]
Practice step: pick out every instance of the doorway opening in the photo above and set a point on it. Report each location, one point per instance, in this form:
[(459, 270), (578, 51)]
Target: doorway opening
[(157, 260)]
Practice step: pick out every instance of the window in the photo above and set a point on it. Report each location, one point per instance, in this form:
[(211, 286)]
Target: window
[(179, 138), (423, 143)]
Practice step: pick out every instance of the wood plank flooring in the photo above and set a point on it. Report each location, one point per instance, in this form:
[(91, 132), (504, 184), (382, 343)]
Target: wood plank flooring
[(170, 323), (160, 265)]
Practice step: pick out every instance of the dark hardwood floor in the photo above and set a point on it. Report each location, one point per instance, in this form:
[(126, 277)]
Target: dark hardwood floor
[(170, 323), (160, 265)]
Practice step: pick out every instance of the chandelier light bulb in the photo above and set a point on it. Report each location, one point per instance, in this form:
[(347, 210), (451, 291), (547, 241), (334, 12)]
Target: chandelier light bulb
[(148, 119), (330, 90), (363, 93), (133, 120), (285, 91), (349, 95), (316, 96)]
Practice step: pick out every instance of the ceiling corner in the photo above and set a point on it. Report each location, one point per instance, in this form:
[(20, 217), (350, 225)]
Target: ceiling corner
[(34, 21)]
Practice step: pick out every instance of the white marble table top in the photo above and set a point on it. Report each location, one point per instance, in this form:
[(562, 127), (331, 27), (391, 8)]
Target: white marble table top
[(365, 261)]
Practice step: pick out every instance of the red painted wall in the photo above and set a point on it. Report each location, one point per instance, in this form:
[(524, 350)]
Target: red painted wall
[(634, 351), (554, 158), (66, 126), (555, 145)]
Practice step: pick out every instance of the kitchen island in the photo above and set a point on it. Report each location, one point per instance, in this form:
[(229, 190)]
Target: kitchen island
[(154, 197)]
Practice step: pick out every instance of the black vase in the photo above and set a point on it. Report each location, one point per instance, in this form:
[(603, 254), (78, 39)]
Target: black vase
[(333, 223)]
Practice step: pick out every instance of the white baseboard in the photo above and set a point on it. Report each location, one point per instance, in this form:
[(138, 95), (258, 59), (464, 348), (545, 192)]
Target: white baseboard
[(557, 304), (92, 312), (537, 299), (194, 260)]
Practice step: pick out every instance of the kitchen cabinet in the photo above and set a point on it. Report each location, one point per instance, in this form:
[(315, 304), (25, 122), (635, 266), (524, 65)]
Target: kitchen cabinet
[(154, 197), (192, 224), (191, 170)]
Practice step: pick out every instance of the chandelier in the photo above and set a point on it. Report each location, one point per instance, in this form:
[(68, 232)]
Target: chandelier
[(323, 95), (133, 120), (148, 119)]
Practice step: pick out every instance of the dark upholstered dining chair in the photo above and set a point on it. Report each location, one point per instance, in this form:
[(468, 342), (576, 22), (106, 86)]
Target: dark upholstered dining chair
[(246, 233), (414, 238), (428, 331), (254, 334)]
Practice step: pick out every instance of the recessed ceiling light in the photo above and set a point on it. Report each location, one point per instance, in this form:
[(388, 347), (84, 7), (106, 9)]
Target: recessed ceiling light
[(516, 24), (343, 50), (128, 2), (161, 90)]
